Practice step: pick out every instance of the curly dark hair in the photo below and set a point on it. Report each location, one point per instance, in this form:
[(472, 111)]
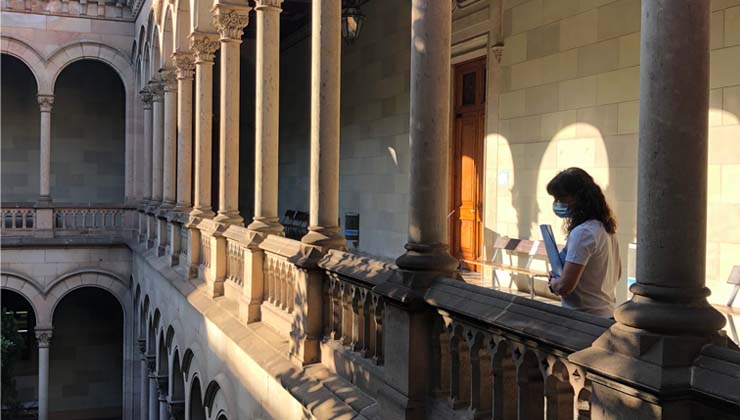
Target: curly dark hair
[(590, 202)]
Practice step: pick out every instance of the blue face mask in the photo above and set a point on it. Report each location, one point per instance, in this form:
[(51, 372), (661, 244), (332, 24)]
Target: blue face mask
[(561, 210)]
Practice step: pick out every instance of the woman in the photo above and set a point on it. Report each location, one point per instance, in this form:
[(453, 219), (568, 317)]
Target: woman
[(592, 264)]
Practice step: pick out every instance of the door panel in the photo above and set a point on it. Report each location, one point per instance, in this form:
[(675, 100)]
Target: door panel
[(467, 160)]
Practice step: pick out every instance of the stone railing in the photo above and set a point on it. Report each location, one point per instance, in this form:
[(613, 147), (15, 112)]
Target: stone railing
[(26, 224), (18, 219), (502, 356), (96, 9), (76, 219), (279, 281), (353, 313)]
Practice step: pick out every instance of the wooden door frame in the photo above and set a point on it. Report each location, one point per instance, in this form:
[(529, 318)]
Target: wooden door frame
[(455, 99)]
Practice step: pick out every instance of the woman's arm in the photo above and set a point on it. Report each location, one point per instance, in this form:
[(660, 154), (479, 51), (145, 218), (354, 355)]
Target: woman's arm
[(567, 282)]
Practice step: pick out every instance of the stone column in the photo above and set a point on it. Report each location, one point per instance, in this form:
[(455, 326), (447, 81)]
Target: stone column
[(185, 67), (204, 46), (157, 142), (662, 329), (230, 20), (326, 48), (146, 159), (153, 399), (267, 103), (43, 337), (163, 410), (407, 376), (46, 103), (144, 371), (429, 131), (169, 151)]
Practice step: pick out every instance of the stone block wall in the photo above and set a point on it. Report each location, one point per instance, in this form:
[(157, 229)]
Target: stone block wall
[(570, 97)]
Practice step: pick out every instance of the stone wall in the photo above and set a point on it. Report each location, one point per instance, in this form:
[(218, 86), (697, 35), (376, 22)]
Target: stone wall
[(570, 91)]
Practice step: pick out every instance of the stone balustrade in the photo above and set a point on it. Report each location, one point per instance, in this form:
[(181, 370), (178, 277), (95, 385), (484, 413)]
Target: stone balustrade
[(100, 9), (23, 224), (18, 219)]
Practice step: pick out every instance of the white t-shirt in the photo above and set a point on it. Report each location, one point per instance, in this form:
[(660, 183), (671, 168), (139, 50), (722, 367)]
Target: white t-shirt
[(590, 245)]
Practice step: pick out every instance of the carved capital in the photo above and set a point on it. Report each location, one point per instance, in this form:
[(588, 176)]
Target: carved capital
[(230, 21), (498, 52), (169, 79), (46, 102), (157, 90), (268, 5), (184, 64), (43, 337), (204, 47), (146, 97)]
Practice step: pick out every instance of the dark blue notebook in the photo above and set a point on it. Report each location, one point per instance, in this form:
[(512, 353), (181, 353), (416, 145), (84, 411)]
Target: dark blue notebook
[(556, 261)]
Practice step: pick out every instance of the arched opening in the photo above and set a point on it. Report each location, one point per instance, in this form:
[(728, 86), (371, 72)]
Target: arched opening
[(86, 356), (559, 393), (19, 355), (197, 411), (88, 154), (19, 129), (178, 388)]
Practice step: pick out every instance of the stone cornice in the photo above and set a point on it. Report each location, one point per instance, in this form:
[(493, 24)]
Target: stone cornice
[(230, 20), (204, 46), (46, 102)]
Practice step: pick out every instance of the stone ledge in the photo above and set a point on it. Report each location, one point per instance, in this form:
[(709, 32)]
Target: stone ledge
[(323, 394)]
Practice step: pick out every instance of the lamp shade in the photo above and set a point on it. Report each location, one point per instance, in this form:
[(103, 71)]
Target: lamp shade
[(352, 20)]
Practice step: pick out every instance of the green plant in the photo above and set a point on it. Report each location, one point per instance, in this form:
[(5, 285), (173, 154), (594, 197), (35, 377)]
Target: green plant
[(11, 344)]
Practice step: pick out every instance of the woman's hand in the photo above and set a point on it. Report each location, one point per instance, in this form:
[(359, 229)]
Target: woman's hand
[(567, 282)]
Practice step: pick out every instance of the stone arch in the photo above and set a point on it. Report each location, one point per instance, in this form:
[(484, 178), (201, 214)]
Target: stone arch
[(177, 380), (194, 405), (168, 41), (90, 50), (155, 57), (26, 54), (218, 398), (101, 279), (182, 25), (15, 282)]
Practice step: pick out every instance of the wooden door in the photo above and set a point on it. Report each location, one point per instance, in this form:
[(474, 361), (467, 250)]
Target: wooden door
[(467, 159)]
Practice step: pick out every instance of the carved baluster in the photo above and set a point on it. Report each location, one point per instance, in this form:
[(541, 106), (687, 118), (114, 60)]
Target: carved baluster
[(365, 322), (291, 288), (346, 314), (459, 368), (530, 384), (480, 374), (440, 373), (379, 306), (336, 309), (504, 379), (558, 390), (356, 306)]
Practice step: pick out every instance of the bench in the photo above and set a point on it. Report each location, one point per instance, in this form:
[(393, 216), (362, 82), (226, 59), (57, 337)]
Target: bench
[(508, 247), (295, 224)]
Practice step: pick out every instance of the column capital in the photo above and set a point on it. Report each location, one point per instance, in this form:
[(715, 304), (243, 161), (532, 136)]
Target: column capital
[(157, 90), (268, 5), (230, 20), (184, 64), (46, 102), (204, 46), (498, 51), (146, 97), (169, 79), (43, 337)]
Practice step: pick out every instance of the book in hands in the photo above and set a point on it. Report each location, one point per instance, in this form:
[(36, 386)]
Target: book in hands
[(553, 255)]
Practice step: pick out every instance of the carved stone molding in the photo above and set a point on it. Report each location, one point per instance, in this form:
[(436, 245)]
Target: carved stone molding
[(43, 338), (184, 64), (204, 47), (169, 80), (230, 21), (498, 52), (146, 97), (157, 90), (46, 102)]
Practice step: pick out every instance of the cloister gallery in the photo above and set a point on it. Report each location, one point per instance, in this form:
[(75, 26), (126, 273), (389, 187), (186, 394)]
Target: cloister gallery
[(330, 209)]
